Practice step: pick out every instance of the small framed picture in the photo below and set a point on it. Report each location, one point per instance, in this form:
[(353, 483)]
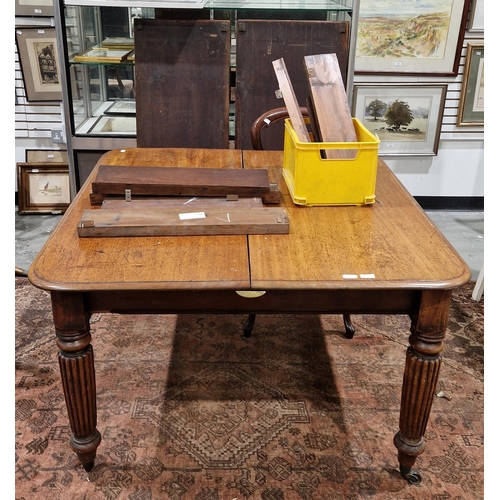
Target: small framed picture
[(476, 17), (406, 118), (43, 188), (40, 8), (39, 60), (46, 155), (471, 106)]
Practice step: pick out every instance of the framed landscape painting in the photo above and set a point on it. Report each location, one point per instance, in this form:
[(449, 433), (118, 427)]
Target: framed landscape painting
[(471, 106), (406, 118), (39, 63), (410, 36)]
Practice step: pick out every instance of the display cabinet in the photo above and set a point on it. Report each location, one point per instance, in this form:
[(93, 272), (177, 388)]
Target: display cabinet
[(97, 67)]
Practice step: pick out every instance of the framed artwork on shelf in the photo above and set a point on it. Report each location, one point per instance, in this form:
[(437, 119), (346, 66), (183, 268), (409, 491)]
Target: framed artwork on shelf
[(40, 8), (471, 106), (39, 60), (476, 17), (410, 36), (407, 118), (43, 188)]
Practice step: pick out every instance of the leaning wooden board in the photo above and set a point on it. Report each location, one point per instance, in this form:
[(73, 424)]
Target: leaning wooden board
[(291, 102), (329, 101), (182, 222), (178, 181), (182, 83)]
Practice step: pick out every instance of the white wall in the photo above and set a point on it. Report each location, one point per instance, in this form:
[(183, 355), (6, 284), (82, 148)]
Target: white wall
[(457, 170)]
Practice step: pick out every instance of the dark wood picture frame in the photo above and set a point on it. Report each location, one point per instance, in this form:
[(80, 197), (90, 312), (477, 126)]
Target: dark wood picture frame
[(39, 8), (39, 60), (43, 188), (386, 46)]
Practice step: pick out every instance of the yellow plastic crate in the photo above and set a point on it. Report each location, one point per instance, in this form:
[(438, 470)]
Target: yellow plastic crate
[(314, 181)]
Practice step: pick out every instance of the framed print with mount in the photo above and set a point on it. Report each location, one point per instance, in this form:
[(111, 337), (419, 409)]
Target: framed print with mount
[(39, 63), (410, 36), (43, 188), (471, 106), (406, 118), (40, 8)]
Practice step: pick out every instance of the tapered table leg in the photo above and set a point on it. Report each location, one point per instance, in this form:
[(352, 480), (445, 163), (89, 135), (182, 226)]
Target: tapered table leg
[(423, 361), (76, 362)]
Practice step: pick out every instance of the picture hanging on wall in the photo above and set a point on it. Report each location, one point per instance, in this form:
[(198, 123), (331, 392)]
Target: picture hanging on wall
[(406, 118), (43, 188), (410, 36), (476, 17), (41, 8), (47, 156), (39, 60), (471, 107)]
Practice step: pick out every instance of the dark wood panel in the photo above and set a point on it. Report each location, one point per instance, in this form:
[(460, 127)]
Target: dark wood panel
[(182, 83), (258, 44), (180, 181), (182, 221)]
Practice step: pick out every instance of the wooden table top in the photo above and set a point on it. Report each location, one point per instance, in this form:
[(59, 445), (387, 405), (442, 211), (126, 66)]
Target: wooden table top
[(388, 245)]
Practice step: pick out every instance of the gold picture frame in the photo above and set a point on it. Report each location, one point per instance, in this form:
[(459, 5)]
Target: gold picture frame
[(471, 105), (43, 188)]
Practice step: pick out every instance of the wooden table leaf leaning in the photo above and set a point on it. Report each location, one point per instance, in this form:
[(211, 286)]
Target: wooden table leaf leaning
[(385, 258)]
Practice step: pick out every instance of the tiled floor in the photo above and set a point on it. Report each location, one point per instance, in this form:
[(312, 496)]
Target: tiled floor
[(464, 230)]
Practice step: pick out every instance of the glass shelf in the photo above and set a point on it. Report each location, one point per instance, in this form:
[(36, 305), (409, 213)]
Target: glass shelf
[(323, 5), (331, 5)]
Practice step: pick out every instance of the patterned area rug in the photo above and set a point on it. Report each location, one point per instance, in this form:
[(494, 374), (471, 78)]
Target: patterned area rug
[(189, 409)]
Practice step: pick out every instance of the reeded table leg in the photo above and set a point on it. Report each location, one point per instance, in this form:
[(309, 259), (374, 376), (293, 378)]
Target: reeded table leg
[(423, 361), (76, 362)]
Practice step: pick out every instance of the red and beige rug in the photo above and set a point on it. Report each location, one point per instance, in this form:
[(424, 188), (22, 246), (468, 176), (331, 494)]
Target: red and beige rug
[(189, 409)]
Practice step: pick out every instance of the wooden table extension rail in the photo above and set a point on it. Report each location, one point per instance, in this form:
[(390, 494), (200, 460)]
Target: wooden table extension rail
[(384, 258)]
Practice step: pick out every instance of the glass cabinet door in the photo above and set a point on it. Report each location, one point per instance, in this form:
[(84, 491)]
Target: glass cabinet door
[(101, 68), (100, 50)]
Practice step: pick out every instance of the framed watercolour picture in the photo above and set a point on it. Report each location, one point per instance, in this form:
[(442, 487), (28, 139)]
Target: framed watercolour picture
[(471, 106), (39, 63), (40, 8), (406, 118), (43, 188), (410, 36)]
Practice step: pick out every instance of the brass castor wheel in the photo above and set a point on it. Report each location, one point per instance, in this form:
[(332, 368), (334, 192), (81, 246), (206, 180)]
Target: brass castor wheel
[(349, 327), (412, 476), (88, 466), (248, 326)]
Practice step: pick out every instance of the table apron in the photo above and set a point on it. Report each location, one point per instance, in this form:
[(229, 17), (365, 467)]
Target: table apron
[(274, 301)]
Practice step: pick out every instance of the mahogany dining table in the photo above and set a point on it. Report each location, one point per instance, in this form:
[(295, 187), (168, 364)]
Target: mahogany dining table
[(383, 258)]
